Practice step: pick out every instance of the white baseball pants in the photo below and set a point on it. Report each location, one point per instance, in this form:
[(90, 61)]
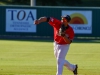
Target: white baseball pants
[(60, 52)]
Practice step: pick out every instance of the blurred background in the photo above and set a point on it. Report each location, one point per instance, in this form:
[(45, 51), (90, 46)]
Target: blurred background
[(21, 10), (86, 3)]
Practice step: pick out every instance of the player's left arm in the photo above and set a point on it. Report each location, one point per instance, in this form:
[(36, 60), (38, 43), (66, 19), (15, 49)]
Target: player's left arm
[(69, 39)]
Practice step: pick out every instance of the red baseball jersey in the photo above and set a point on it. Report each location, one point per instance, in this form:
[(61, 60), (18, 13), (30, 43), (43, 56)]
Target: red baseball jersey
[(56, 25)]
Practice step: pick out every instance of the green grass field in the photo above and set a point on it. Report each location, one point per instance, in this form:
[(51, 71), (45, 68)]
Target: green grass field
[(37, 58)]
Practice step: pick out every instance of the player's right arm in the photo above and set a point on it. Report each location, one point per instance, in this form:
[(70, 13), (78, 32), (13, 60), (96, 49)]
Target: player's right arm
[(52, 21), (41, 19)]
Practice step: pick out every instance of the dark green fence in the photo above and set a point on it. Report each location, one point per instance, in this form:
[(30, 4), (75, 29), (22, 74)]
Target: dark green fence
[(43, 29)]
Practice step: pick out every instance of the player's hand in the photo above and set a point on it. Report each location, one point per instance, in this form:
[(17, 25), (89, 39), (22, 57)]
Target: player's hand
[(62, 34), (36, 22)]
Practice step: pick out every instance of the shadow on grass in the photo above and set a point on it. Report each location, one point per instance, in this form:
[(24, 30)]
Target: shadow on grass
[(86, 41), (51, 40), (48, 39)]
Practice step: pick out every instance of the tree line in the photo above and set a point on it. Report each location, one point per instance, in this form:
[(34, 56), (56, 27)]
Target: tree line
[(56, 2), (48, 2)]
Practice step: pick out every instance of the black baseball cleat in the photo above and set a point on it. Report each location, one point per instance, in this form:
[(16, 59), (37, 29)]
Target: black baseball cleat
[(75, 71)]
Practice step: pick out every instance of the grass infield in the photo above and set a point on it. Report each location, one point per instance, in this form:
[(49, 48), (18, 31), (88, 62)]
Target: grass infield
[(29, 57)]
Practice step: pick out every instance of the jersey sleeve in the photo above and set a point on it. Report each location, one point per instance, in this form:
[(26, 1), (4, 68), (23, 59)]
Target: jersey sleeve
[(54, 22)]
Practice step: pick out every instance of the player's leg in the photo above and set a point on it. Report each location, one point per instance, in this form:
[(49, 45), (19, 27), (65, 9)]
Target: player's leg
[(62, 51), (69, 65), (60, 56), (55, 49)]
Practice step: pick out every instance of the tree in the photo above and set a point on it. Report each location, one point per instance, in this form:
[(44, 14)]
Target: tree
[(45, 2), (59, 2)]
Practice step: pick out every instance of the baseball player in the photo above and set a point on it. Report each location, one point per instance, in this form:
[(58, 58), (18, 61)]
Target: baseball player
[(63, 37)]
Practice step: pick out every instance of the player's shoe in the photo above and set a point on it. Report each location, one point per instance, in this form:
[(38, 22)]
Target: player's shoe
[(75, 71)]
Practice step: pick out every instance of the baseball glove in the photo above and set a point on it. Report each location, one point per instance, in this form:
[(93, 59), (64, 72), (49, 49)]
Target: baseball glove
[(62, 30)]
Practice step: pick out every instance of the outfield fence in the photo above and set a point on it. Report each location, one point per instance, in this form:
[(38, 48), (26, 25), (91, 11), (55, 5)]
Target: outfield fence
[(18, 21)]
